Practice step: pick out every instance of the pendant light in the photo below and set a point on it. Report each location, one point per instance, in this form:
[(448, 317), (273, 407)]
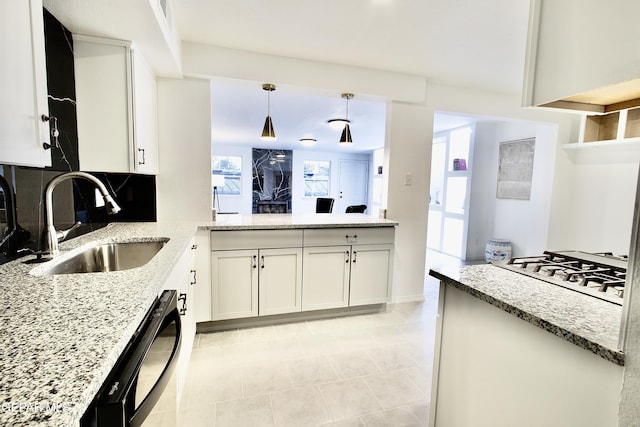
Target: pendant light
[(345, 138), (267, 130)]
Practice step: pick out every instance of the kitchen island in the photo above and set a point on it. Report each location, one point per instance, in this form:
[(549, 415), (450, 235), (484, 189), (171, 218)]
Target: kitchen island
[(61, 334), (286, 265), (514, 350)]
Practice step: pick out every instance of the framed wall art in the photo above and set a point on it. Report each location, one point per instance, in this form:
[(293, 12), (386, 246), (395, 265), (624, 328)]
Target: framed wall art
[(515, 169)]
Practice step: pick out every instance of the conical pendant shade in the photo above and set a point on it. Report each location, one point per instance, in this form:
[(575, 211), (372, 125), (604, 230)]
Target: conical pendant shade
[(346, 135), (267, 130)]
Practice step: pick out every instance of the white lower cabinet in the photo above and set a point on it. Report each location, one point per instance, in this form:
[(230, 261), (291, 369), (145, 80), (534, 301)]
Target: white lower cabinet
[(266, 272), (326, 277), (258, 282), (184, 280), (342, 276), (234, 284), (370, 274), (356, 271)]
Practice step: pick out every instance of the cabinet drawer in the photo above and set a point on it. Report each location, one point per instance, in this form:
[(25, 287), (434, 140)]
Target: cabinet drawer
[(348, 236), (255, 239)]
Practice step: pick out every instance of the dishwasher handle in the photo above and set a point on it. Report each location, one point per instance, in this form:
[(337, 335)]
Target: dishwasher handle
[(114, 405)]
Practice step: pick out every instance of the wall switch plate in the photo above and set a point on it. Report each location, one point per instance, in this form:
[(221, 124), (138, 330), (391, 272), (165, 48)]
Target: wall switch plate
[(408, 179)]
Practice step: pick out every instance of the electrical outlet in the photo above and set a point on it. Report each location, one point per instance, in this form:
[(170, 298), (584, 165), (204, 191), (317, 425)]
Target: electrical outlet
[(408, 179)]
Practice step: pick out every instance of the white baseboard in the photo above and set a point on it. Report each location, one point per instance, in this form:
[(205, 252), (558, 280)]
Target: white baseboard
[(408, 298)]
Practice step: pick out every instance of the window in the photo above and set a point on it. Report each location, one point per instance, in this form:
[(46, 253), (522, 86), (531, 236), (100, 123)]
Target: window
[(227, 171), (316, 178)]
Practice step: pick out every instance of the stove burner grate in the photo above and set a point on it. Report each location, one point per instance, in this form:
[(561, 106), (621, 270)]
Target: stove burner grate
[(598, 274)]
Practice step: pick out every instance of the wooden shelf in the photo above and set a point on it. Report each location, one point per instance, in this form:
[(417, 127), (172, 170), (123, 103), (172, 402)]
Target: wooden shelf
[(620, 125)]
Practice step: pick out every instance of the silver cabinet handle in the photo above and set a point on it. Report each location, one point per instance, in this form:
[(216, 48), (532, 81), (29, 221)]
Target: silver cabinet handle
[(347, 257), (354, 256), (55, 133), (262, 260), (194, 279), (254, 261), (141, 150)]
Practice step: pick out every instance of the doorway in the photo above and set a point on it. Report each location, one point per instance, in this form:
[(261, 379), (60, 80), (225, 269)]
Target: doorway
[(449, 193), (353, 183)]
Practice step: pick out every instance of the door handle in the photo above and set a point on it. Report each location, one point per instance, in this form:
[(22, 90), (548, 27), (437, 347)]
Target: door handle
[(347, 257), (354, 256), (194, 279), (254, 261), (143, 161), (262, 261)]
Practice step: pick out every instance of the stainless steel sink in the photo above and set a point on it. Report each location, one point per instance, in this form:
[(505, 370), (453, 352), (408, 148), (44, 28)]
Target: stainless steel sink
[(108, 257)]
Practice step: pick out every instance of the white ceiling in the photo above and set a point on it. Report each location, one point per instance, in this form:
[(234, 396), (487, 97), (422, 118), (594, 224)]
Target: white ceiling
[(468, 43)]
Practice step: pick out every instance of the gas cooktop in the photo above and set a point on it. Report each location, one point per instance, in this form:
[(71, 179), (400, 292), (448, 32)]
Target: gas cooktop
[(601, 275)]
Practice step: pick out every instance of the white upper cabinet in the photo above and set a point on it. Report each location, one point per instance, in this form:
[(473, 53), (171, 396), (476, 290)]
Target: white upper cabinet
[(147, 23), (583, 55), (116, 107), (23, 82)]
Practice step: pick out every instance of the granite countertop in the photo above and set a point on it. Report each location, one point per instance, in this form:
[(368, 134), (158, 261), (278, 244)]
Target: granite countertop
[(62, 334), (587, 322), (288, 221)]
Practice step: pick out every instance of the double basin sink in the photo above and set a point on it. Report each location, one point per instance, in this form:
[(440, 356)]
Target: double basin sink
[(104, 257)]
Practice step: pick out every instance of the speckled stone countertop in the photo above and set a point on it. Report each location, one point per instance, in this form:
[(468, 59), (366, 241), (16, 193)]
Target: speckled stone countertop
[(61, 335), (585, 321), (287, 221)]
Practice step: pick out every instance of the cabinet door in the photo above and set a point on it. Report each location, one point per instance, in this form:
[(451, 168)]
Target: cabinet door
[(280, 280), (103, 84), (370, 274), (145, 116), (325, 281), (23, 82), (180, 279), (234, 284)]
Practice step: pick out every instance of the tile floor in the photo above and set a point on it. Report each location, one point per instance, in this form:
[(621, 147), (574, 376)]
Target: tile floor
[(363, 370)]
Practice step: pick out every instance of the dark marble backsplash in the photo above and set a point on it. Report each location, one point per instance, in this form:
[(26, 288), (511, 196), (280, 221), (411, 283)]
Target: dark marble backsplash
[(74, 200)]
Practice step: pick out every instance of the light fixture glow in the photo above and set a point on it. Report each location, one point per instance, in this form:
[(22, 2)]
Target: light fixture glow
[(308, 141), (267, 131), (338, 124), (345, 138)]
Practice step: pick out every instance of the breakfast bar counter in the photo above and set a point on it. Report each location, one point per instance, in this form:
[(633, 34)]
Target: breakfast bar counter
[(289, 221)]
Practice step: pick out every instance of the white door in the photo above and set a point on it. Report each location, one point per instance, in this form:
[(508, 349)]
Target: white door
[(354, 182)]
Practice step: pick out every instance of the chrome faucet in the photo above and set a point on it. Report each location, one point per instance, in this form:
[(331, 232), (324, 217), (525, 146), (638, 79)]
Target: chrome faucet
[(53, 236)]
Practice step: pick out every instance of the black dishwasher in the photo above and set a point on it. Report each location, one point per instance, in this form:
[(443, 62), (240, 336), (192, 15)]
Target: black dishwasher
[(116, 403)]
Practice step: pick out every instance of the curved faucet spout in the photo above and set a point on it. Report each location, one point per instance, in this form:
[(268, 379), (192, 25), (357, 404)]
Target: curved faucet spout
[(52, 235)]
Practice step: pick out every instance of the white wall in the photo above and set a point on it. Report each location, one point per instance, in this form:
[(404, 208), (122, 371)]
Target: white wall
[(184, 140), (593, 210), (408, 132), (525, 222), (299, 203), (482, 206)]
